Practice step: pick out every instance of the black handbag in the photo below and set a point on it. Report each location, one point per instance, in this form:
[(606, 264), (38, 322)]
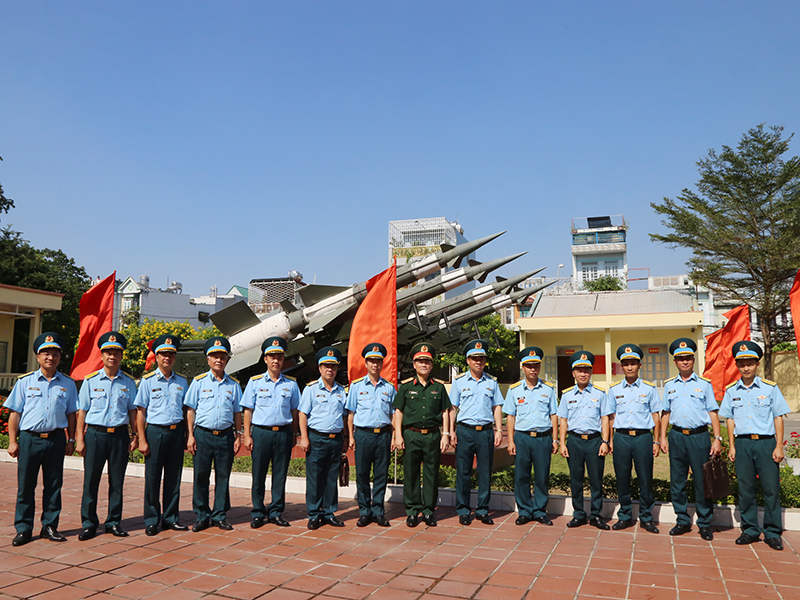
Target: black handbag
[(344, 471), (716, 479)]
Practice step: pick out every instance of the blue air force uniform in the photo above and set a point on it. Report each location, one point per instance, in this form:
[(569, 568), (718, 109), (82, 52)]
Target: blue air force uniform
[(532, 408), (43, 406), (273, 404)]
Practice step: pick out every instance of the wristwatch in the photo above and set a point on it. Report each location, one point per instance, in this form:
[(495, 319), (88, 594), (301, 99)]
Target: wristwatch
[(718, 437)]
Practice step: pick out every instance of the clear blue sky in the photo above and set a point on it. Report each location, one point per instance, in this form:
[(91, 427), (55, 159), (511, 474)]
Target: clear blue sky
[(213, 143)]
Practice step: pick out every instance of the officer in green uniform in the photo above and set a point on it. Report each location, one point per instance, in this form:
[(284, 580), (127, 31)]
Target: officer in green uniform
[(754, 408), (105, 409), (421, 409)]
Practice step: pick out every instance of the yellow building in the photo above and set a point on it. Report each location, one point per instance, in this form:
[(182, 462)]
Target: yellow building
[(17, 306), (562, 324)]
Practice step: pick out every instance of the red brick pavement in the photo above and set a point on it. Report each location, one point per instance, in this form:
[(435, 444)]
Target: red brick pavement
[(450, 561)]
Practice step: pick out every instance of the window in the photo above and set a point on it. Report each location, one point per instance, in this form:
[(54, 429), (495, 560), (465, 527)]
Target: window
[(655, 365), (612, 268), (589, 271), (127, 303)]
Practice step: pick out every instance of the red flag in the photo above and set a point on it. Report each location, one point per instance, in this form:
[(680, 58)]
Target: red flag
[(151, 356), (97, 317), (720, 366), (794, 304), (376, 321)]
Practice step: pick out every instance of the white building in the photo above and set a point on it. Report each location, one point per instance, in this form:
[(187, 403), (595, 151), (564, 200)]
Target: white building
[(599, 248)]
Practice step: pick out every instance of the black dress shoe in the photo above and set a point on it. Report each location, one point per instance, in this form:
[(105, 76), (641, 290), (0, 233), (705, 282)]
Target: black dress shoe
[(576, 522), (464, 520), (363, 521), (382, 521), (706, 533), (116, 531), (201, 525), (412, 520), (599, 523), (745, 539), (680, 529), (333, 521), (430, 520), (775, 543), (544, 520), (151, 530), (649, 527), (87, 533), (485, 519), (314, 524), (622, 524), (21, 538), (256, 522), (279, 521), (522, 520), (52, 534), (176, 526), (224, 525)]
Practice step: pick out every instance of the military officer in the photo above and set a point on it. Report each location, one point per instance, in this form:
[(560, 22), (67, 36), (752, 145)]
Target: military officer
[(754, 408), (532, 423), (422, 429), (322, 421), (105, 410), (214, 421), (690, 407), (477, 399), (369, 422), (637, 409), (270, 404), (584, 413), (43, 404), (159, 403)]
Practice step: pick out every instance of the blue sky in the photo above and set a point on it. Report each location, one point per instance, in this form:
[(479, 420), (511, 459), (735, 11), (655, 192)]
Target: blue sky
[(216, 142)]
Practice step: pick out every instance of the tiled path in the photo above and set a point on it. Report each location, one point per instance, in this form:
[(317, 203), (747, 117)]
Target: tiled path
[(449, 561)]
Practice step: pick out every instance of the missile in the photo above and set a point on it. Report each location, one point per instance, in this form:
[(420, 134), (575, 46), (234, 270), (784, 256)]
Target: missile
[(492, 305)]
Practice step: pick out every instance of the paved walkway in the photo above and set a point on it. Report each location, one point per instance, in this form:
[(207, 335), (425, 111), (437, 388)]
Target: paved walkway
[(449, 561)]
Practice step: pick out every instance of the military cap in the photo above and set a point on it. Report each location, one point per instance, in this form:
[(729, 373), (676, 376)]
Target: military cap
[(47, 340), (374, 351), (423, 350), (217, 343), (747, 349), (274, 345), (581, 359), (328, 355), (476, 348), (629, 351), (166, 343), (113, 340), (530, 354), (682, 347)]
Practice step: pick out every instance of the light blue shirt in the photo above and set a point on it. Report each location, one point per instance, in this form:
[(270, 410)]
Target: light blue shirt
[(214, 401), (323, 408), (475, 398), (272, 402), (584, 410), (689, 402), (753, 409), (44, 405), (106, 400), (162, 397), (372, 404), (532, 407), (634, 404)]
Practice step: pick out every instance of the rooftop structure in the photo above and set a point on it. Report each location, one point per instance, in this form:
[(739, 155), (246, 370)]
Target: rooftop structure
[(599, 248)]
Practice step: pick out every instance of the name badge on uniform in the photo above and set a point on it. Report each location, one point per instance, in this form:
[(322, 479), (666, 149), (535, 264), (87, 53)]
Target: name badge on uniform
[(520, 400)]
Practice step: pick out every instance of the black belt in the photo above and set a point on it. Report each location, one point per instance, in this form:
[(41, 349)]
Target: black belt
[(172, 427), (754, 436), (547, 433), (44, 434), (105, 429), (690, 430), (274, 427), (383, 429), (215, 431), (586, 436), (332, 436), (633, 432), (424, 431), (476, 427)]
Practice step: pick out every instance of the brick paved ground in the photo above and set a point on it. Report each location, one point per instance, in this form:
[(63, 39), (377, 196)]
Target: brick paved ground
[(449, 561)]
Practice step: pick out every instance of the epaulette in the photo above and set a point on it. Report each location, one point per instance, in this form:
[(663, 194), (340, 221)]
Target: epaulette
[(407, 380), (199, 377), (547, 383), (515, 385), (149, 375), (357, 380), (670, 379), (615, 383), (438, 380), (599, 387), (768, 382), (128, 374), (234, 379), (290, 378), (26, 374), (705, 378), (650, 383), (90, 375), (491, 376), (257, 377), (568, 389), (461, 375), (181, 374), (730, 385), (312, 382)]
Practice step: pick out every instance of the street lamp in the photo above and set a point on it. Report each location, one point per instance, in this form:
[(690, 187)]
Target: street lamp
[(558, 272)]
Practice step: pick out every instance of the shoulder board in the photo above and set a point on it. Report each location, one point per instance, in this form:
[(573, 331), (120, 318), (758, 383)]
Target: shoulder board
[(568, 389), (290, 378), (600, 387), (182, 375), (409, 380), (127, 374), (257, 377), (615, 383), (730, 385), (515, 385), (312, 382), (26, 374), (150, 374), (704, 378), (459, 376), (90, 375), (650, 383), (234, 379), (547, 383), (768, 382), (438, 380), (491, 377), (357, 380), (198, 377), (346, 389), (670, 379)]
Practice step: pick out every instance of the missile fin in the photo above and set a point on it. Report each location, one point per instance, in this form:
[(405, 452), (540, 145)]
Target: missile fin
[(288, 306), (311, 294), (243, 360), (473, 263), (235, 318), (446, 247), (500, 278), (328, 318)]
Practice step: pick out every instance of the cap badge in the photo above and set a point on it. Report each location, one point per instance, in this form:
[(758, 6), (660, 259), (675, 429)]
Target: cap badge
[(743, 348), (532, 353), (583, 357), (627, 348), (682, 345), (112, 338), (49, 338), (168, 341), (276, 343), (330, 352), (375, 349), (424, 349), (217, 343), (478, 345)]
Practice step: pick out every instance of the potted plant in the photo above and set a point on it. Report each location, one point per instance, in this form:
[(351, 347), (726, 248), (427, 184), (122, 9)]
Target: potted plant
[(791, 449)]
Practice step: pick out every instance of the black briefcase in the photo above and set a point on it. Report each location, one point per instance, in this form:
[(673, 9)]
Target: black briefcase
[(716, 479), (344, 471)]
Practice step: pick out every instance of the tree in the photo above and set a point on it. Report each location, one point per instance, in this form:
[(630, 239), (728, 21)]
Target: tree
[(606, 283), (743, 226), (6, 204), (497, 358)]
